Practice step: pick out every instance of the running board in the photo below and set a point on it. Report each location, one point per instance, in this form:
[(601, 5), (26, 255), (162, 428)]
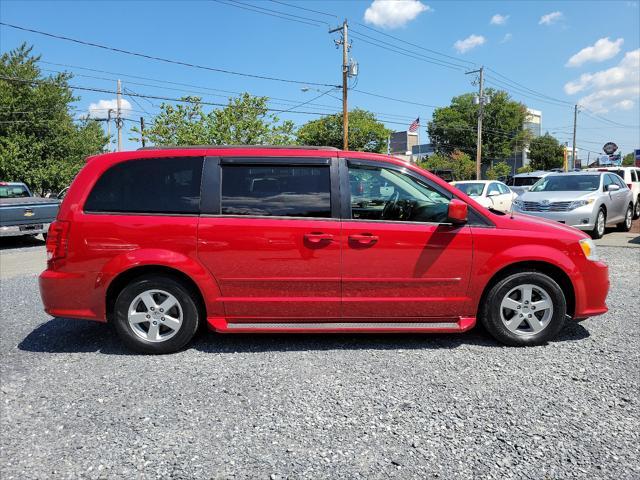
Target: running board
[(460, 325)]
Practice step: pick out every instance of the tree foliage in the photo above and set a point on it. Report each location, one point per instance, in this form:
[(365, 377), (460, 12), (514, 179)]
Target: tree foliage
[(455, 126), (498, 170), (366, 133), (546, 153), (458, 162), (629, 159), (39, 142), (245, 120), (525, 169)]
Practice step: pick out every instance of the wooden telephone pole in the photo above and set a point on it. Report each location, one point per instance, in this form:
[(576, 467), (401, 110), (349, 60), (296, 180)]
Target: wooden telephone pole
[(481, 102), (344, 30)]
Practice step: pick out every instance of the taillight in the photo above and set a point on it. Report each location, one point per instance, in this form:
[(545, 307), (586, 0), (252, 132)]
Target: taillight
[(57, 239)]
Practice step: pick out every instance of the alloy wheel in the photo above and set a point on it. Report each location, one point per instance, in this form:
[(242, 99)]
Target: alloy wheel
[(155, 315), (526, 309), (600, 223), (628, 218)]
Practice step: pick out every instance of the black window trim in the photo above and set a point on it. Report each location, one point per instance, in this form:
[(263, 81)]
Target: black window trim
[(144, 214), (211, 198), (475, 218)]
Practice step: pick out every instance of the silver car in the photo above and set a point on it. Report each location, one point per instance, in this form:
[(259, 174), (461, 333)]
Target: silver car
[(589, 201)]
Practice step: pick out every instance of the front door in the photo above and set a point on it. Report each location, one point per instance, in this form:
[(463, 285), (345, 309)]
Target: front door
[(401, 259), (273, 242)]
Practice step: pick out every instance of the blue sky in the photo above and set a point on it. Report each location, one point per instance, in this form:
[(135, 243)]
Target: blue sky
[(575, 52)]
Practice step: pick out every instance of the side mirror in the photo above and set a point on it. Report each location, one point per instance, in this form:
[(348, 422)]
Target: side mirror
[(458, 212), (613, 188)]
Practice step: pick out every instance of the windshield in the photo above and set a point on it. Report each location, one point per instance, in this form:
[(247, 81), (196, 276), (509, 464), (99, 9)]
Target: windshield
[(567, 183), (471, 189), (523, 181), (13, 191)]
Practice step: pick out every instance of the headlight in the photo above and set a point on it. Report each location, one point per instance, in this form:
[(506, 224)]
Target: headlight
[(589, 249), (581, 203)]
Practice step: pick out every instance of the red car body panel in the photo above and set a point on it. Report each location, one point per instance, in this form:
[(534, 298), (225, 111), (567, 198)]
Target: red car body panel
[(342, 274)]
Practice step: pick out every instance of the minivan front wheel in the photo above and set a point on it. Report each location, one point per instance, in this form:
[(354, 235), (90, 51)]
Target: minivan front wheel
[(156, 314), (526, 308)]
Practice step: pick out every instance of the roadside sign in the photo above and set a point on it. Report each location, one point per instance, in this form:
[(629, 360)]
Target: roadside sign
[(637, 151), (609, 148)]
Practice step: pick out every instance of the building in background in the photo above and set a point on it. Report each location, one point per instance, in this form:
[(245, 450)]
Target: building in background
[(520, 156), (402, 143)]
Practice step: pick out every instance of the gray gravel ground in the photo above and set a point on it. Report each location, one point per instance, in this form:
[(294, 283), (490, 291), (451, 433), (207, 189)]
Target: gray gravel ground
[(76, 405)]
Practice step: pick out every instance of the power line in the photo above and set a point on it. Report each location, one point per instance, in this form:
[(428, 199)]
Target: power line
[(303, 8), (165, 60), (277, 14), (410, 102), (529, 89), (415, 45)]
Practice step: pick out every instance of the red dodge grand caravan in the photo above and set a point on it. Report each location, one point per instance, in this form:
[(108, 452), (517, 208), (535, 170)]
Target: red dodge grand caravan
[(259, 239)]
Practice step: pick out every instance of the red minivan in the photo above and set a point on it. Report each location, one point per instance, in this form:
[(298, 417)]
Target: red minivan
[(312, 239)]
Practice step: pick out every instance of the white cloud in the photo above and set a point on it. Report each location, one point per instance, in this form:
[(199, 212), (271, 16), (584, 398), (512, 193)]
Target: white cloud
[(603, 49), (498, 19), (507, 38), (100, 109), (614, 88), (393, 13), (550, 18), (469, 43)]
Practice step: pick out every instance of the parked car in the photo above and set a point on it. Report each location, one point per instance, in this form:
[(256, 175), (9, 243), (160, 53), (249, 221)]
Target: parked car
[(630, 176), (22, 213), (256, 239), (488, 193), (522, 182), (586, 200)]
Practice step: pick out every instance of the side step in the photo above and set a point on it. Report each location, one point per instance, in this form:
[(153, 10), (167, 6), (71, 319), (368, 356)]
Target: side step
[(366, 326)]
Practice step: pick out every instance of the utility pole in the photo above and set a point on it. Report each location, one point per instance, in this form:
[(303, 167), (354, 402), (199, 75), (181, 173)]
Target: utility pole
[(481, 102), (575, 120), (109, 111), (344, 30), (142, 132), (119, 115)]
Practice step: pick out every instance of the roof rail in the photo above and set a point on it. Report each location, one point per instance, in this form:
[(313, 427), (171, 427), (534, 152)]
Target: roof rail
[(274, 147)]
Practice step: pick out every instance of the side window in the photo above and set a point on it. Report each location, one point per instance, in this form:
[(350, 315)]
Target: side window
[(608, 180), (493, 189), (157, 185), (379, 193), (503, 188), (285, 191), (634, 176), (620, 182)]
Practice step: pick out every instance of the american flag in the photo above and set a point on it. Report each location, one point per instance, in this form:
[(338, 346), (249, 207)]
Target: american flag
[(415, 125)]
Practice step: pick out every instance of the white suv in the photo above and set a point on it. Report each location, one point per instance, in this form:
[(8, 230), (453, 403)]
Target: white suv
[(630, 176)]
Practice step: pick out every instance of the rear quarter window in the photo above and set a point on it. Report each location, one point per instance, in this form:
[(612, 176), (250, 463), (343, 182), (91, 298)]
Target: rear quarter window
[(158, 185)]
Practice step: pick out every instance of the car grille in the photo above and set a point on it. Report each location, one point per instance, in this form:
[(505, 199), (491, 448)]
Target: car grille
[(546, 207)]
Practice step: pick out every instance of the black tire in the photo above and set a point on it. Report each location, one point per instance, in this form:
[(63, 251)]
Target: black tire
[(625, 225), (491, 315), (187, 303), (636, 210), (595, 232)]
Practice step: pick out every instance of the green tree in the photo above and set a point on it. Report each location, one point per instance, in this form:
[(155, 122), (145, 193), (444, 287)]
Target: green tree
[(525, 169), (455, 126), (546, 153), (245, 120), (498, 170), (629, 159), (40, 144), (365, 132), (458, 162)]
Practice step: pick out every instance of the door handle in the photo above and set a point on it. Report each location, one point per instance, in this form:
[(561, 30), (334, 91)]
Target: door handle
[(363, 239), (317, 237)]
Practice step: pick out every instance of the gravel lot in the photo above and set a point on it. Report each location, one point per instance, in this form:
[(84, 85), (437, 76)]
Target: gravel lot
[(75, 405)]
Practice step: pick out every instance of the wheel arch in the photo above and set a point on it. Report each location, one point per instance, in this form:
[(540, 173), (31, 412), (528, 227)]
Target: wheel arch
[(127, 276), (553, 271)]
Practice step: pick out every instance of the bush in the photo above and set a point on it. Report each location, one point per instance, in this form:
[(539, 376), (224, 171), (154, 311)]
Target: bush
[(498, 170), (525, 169), (459, 163)]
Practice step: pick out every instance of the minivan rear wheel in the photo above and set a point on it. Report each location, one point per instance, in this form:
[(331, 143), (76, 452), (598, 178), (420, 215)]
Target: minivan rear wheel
[(526, 308), (156, 314)]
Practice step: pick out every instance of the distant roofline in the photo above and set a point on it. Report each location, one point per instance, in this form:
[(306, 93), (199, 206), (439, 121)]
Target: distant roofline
[(230, 147)]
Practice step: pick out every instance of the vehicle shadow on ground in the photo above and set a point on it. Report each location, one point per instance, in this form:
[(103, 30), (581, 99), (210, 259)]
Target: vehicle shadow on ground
[(21, 242), (61, 335)]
